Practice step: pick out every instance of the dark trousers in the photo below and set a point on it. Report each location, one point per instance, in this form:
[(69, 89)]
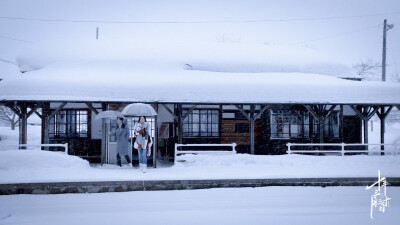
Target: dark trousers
[(119, 159)]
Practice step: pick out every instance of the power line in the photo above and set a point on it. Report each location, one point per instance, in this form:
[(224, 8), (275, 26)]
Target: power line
[(196, 22), (335, 35), (16, 39)]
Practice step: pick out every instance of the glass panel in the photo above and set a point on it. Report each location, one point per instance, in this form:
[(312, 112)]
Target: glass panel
[(215, 128), (195, 118), (185, 127), (113, 127), (203, 117), (203, 128), (195, 128)]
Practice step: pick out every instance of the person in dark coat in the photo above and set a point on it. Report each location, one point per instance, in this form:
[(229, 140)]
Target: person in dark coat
[(122, 134)]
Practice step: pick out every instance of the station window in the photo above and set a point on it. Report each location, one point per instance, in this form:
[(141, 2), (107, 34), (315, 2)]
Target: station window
[(286, 124), (201, 123), (69, 124)]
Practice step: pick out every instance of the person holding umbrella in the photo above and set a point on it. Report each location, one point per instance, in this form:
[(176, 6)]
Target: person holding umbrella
[(122, 135), (143, 142)]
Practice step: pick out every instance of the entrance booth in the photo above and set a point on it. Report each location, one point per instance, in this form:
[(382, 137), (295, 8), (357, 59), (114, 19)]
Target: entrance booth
[(131, 115)]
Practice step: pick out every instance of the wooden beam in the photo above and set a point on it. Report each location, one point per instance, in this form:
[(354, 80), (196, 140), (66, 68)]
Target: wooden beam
[(38, 114), (387, 112), (57, 110), (188, 112), (359, 114), (92, 108), (329, 111), (384, 113), (33, 110), (242, 111), (313, 113), (258, 115), (15, 110), (171, 112), (371, 114)]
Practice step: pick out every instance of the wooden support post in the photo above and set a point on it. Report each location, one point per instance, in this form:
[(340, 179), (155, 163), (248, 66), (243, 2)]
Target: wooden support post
[(382, 130), (341, 122), (367, 113), (155, 147), (104, 136), (23, 125), (252, 108), (382, 116), (45, 124), (180, 140), (252, 118), (314, 114), (320, 114)]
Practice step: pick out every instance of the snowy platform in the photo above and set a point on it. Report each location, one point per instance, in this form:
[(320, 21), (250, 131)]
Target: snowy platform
[(66, 173)]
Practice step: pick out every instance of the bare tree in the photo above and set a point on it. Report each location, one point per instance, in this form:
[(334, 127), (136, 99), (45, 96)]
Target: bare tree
[(8, 117), (368, 70)]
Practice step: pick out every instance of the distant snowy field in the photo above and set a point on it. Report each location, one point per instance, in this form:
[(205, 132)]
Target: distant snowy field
[(265, 205), (24, 166)]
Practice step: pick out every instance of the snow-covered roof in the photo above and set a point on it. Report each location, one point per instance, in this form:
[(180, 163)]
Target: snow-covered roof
[(164, 82), (219, 73)]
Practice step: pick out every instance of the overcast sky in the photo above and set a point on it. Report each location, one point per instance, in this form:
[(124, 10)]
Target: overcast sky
[(353, 37)]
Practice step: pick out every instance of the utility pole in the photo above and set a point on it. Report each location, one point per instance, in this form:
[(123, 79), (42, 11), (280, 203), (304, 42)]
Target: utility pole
[(386, 27)]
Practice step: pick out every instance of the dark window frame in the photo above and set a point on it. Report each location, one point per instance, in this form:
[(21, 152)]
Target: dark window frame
[(331, 123), (194, 125), (289, 124), (69, 123)]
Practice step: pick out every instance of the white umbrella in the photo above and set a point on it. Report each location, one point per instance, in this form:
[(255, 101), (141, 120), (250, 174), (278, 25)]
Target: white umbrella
[(139, 109), (109, 114)]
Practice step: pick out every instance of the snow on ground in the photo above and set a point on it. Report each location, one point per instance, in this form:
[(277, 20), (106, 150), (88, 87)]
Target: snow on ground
[(265, 205), (24, 166), (9, 138), (19, 166)]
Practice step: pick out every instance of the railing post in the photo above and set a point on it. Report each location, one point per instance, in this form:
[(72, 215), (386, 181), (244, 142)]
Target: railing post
[(289, 151), (175, 152), (234, 148), (342, 144), (66, 148)]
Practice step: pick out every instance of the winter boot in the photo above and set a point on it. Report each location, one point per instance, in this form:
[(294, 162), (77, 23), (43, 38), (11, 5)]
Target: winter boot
[(144, 168)]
